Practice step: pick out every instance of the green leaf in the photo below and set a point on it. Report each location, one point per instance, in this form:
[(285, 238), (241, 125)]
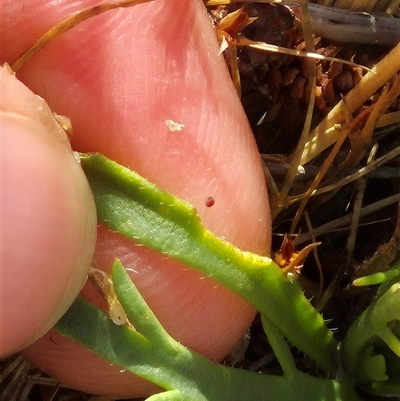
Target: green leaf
[(186, 375), (373, 366), (131, 205), (391, 275), (371, 347), (372, 324)]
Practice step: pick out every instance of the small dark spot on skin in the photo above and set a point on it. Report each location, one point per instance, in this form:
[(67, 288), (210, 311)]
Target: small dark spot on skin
[(209, 201)]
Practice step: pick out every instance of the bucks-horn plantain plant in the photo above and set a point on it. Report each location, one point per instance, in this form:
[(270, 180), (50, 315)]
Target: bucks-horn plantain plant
[(368, 358)]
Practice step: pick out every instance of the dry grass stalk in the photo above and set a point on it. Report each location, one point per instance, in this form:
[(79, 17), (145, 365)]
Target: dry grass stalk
[(344, 222), (328, 131), (69, 23), (363, 171), (324, 168), (291, 175), (385, 255)]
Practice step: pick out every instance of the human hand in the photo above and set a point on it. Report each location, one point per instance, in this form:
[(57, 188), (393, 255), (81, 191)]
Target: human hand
[(47, 242), (119, 77)]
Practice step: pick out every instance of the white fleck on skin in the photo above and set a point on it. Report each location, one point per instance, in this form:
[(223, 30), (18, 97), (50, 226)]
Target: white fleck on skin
[(173, 126), (77, 157)]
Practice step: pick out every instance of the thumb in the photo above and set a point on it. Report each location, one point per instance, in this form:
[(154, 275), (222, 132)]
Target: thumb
[(48, 221)]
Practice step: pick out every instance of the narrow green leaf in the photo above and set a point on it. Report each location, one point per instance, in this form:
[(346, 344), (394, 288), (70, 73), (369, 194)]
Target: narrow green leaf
[(131, 205), (371, 348), (373, 324), (186, 375), (390, 275)]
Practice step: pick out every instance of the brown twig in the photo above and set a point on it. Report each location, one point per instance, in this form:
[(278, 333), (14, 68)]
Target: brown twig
[(328, 131), (69, 23)]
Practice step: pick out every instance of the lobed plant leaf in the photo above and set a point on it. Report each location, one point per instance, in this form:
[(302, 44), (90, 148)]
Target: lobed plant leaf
[(391, 275), (146, 349), (131, 205), (141, 211), (371, 348)]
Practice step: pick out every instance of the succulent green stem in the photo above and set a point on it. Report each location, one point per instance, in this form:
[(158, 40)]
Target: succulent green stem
[(144, 348), (143, 212), (131, 205)]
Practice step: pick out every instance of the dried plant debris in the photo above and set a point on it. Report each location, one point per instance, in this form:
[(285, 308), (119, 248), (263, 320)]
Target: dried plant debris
[(349, 195), (20, 381), (274, 86)]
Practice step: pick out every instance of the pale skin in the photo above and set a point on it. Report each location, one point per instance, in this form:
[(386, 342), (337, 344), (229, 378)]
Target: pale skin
[(119, 77)]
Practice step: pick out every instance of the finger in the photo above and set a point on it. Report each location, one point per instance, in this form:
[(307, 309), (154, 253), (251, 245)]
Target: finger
[(48, 220), (121, 75), (132, 71)]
